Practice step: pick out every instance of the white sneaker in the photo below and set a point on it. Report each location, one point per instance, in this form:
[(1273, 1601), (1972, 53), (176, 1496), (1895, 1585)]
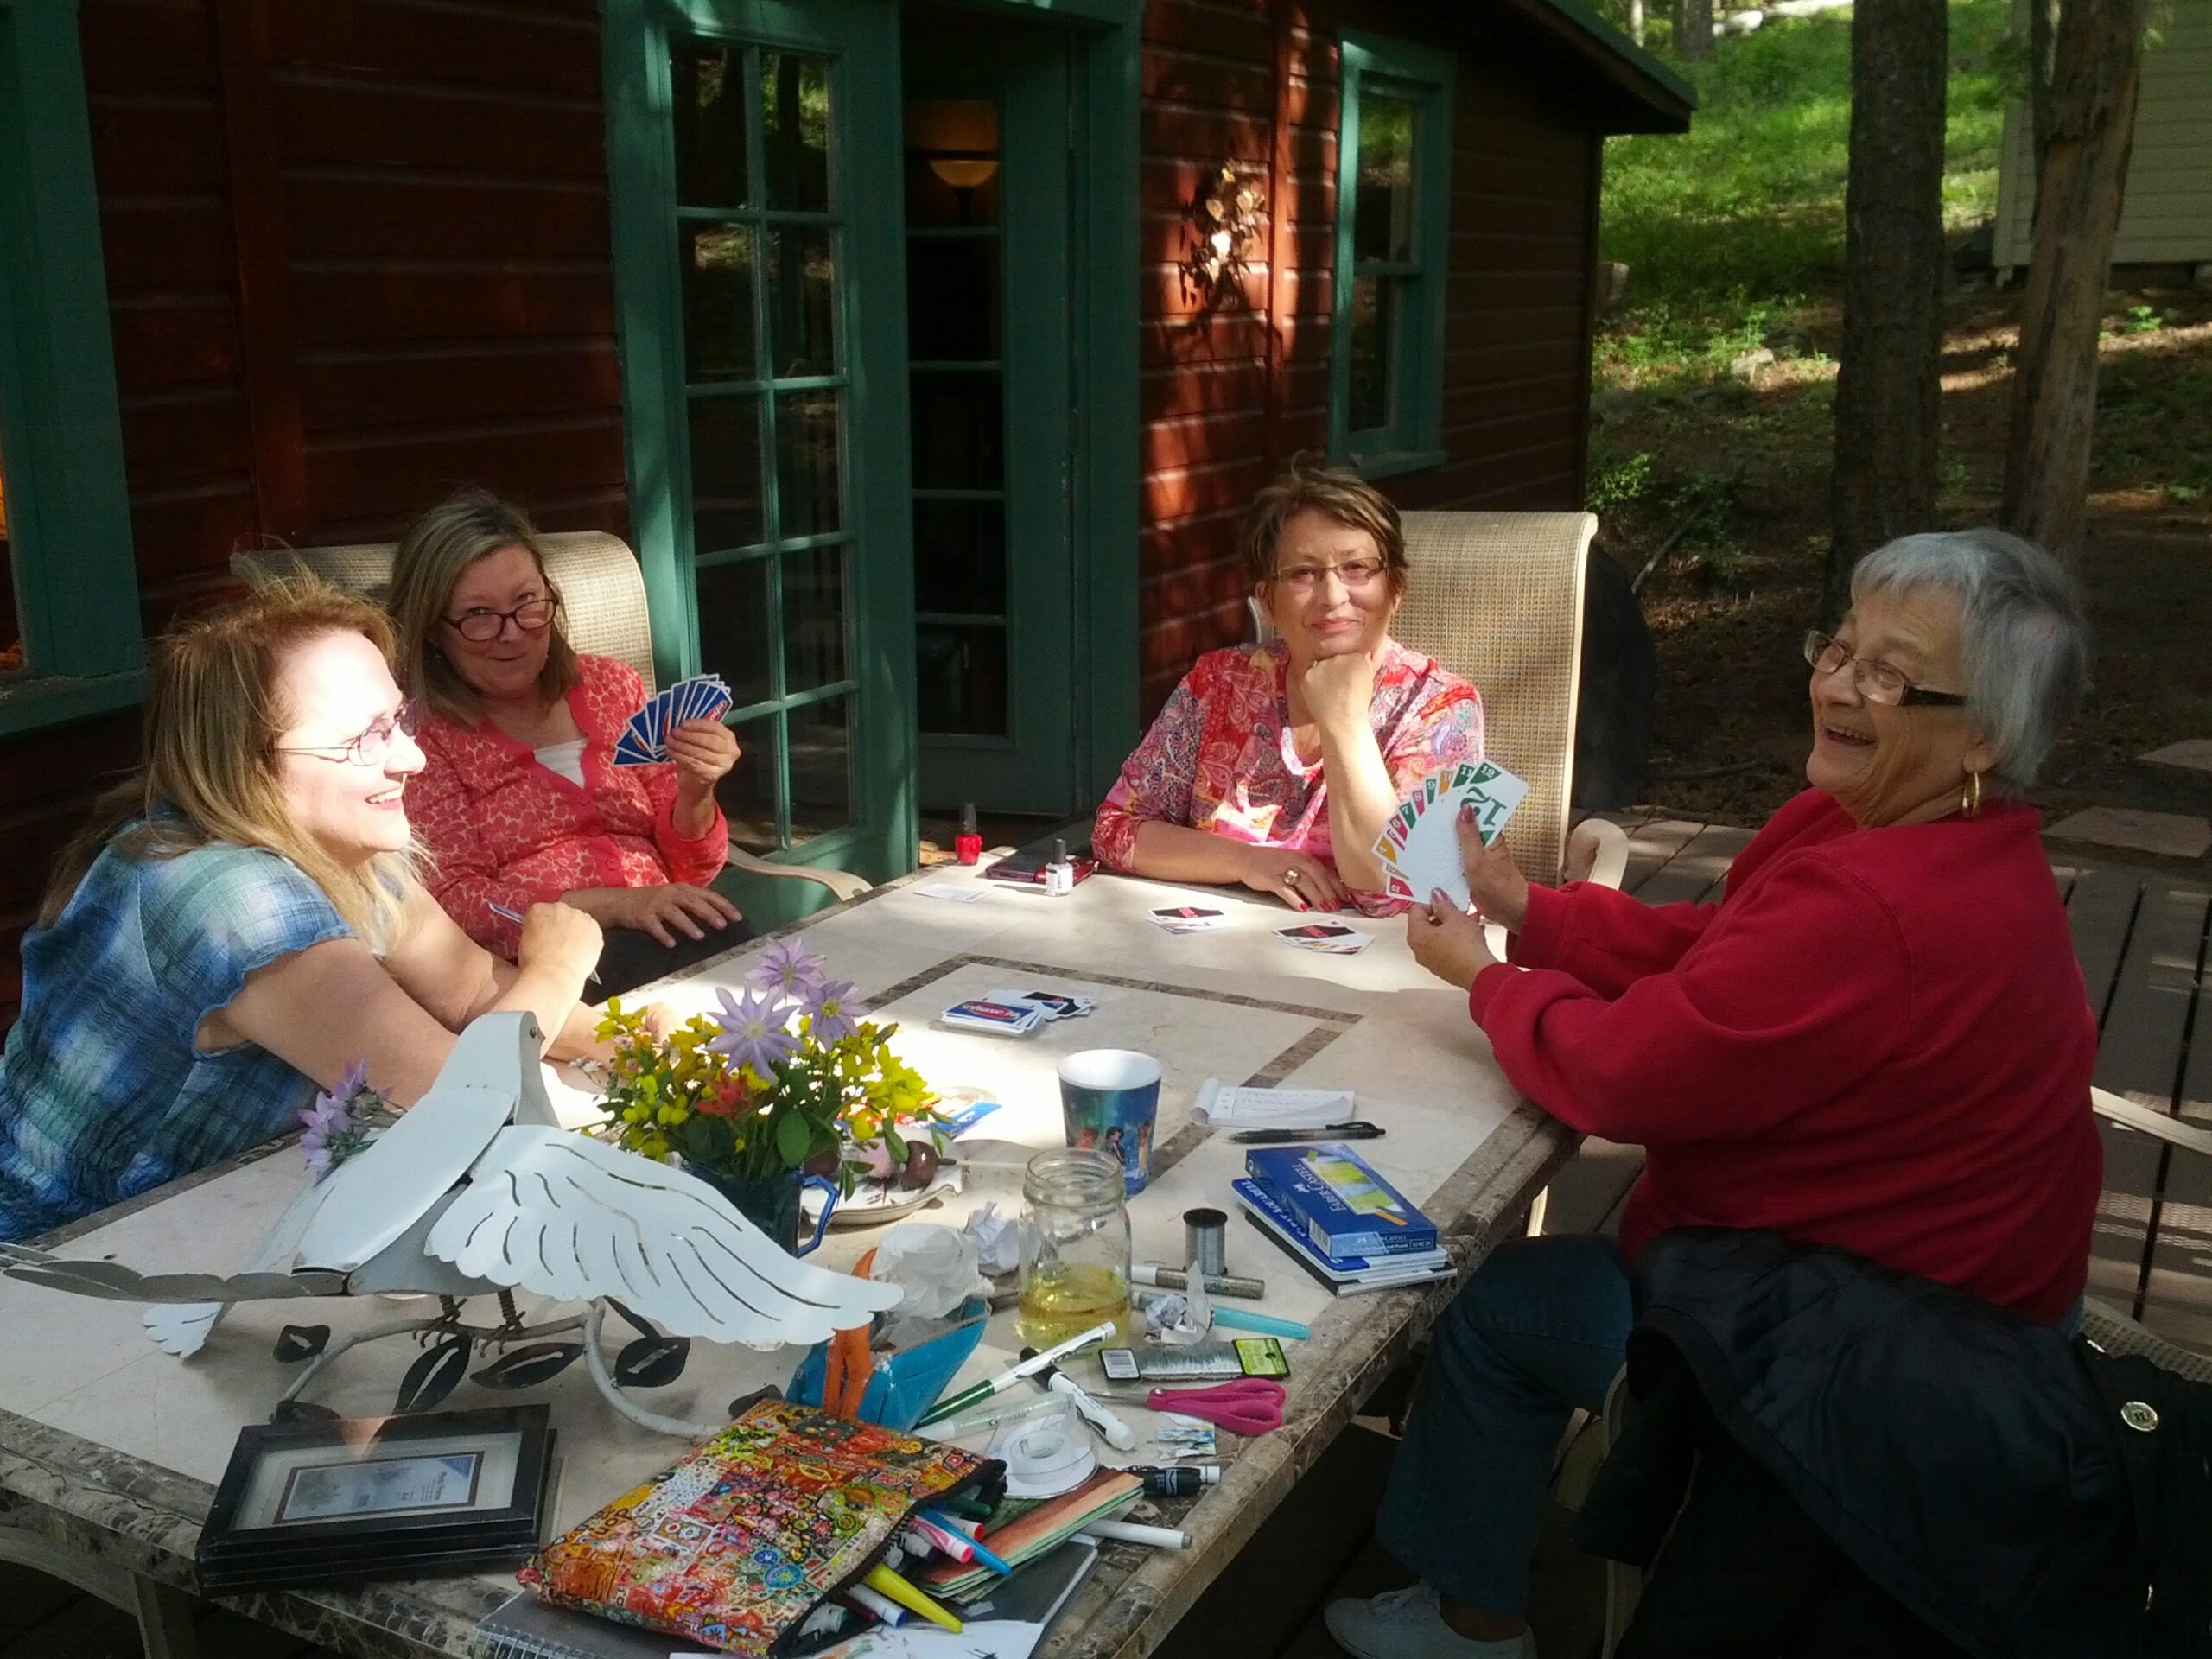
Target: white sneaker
[(1406, 1624)]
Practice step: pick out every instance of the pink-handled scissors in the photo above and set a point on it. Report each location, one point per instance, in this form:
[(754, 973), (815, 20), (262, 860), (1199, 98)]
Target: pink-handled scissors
[(1251, 1405)]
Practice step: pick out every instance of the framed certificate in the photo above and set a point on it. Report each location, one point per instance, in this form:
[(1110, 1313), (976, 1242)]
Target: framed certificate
[(377, 1496)]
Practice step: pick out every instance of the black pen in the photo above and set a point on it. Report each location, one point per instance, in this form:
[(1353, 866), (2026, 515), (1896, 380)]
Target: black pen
[(1355, 1130)]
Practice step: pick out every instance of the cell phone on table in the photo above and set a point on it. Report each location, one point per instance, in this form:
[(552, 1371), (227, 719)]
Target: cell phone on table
[(1030, 867)]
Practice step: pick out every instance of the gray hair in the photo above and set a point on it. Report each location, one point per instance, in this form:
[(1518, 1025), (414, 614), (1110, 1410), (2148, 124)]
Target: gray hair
[(2024, 641)]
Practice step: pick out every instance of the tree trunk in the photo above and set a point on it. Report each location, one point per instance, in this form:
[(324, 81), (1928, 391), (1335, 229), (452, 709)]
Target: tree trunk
[(2082, 174), (1694, 41), (1888, 394), (2042, 31)]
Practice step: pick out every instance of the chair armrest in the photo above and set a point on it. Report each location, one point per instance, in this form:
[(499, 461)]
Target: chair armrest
[(843, 883), (2162, 1126), (1597, 850)]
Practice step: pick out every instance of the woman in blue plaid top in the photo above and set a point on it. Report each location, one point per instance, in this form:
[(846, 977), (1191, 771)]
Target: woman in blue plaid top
[(240, 922)]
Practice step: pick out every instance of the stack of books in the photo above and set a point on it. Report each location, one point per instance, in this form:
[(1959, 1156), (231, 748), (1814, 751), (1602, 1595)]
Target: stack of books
[(1338, 1220)]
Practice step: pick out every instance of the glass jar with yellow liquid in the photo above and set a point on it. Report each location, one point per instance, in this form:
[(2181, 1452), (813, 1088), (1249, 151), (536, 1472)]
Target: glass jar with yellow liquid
[(1075, 1246)]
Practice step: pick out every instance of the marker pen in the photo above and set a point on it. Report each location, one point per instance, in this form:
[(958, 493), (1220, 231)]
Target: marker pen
[(1179, 1481), (1217, 1284)]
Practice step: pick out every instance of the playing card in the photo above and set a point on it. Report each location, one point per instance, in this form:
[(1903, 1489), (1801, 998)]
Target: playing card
[(1188, 919), (1324, 936), (1424, 854), (1051, 1005), (1004, 1019)]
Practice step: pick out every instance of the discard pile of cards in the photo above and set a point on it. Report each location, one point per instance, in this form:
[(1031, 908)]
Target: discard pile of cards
[(643, 742), (1330, 938), (1014, 1014), (1420, 846), (1189, 918)]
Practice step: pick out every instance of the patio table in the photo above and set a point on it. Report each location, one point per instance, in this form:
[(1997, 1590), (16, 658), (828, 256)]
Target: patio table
[(110, 1449)]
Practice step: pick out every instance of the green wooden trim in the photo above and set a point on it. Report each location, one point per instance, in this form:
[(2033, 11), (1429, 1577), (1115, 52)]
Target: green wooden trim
[(60, 434), (1417, 352), (1105, 397)]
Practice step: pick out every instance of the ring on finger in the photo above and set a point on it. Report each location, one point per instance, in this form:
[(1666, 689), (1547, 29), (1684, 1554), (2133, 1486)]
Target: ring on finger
[(1290, 877)]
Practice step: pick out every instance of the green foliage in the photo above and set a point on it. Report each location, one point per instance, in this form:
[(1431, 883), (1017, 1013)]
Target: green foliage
[(1750, 198), (1617, 483), (2138, 320)]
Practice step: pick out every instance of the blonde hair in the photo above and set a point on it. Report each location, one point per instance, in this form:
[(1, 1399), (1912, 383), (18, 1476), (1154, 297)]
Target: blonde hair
[(1336, 491), (438, 548), (211, 772)]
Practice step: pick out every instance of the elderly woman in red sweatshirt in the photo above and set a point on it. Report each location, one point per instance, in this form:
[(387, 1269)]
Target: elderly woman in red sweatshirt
[(1879, 1039)]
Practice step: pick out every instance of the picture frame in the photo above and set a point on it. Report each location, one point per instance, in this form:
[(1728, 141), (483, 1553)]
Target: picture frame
[(347, 1498)]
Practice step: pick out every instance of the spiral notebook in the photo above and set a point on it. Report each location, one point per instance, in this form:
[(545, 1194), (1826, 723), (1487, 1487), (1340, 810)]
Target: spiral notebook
[(523, 1627)]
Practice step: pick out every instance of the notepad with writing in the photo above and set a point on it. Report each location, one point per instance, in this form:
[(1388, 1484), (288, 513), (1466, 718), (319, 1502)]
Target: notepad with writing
[(1009, 1622), (1034, 1534)]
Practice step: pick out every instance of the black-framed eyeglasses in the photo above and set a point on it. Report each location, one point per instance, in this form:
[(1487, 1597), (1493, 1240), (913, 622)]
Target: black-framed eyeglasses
[(1876, 681), (370, 748), (481, 626)]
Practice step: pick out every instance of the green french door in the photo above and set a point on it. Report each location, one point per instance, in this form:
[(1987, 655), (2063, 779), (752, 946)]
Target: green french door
[(758, 274), (989, 298)]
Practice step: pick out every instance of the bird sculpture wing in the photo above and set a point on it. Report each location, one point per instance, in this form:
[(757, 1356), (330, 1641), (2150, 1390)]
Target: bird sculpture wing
[(566, 1216)]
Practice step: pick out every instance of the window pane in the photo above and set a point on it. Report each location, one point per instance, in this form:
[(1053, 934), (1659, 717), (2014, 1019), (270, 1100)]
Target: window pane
[(952, 298), (952, 169), (725, 473), (960, 557), (1383, 220), (747, 791), (708, 90), (960, 679), (802, 303), (795, 130), (734, 627), (808, 501), (958, 441), (717, 261), (821, 768), (1374, 302), (814, 618)]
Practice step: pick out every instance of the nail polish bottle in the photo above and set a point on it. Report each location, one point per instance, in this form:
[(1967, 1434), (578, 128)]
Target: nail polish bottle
[(967, 845), (1059, 874)]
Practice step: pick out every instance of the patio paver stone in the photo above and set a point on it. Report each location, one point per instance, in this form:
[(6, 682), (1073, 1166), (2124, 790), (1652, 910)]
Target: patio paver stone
[(2193, 753), (2170, 835)]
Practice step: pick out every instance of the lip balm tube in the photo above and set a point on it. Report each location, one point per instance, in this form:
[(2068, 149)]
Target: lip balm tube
[(1217, 1284)]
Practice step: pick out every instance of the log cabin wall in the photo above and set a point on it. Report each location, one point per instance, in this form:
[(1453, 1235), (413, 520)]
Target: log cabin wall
[(357, 254), (1228, 394)]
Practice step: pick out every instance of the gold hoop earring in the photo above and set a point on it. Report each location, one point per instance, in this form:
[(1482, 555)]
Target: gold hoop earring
[(1970, 796)]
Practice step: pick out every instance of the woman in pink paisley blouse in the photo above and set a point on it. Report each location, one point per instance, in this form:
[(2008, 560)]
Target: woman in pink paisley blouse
[(1277, 765), (519, 801)]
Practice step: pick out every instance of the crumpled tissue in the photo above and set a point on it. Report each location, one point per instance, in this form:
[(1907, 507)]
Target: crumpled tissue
[(997, 1240), (934, 1266)]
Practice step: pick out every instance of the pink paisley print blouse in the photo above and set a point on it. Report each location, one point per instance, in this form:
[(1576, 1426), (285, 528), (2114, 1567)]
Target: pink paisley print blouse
[(500, 825), (1220, 758)]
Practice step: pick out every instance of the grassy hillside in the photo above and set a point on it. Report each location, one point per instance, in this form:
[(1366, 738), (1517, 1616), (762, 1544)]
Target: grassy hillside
[(1751, 200)]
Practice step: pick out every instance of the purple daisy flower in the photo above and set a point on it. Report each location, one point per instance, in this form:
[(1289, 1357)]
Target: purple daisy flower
[(832, 1010), (753, 1032), (787, 968)]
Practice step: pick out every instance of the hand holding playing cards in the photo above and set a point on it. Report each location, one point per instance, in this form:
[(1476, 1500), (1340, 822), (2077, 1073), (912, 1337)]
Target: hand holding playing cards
[(1499, 890), (1299, 879), (1447, 941), (1338, 690), (704, 751)]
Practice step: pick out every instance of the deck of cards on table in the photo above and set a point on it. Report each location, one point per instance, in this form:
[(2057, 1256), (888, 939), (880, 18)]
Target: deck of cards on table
[(1420, 846), (1330, 938), (1014, 1014), (1189, 918), (643, 742)]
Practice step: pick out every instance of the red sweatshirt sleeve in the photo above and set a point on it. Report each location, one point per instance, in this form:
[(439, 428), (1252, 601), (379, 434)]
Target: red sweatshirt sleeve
[(461, 874), (1603, 937), (1790, 997)]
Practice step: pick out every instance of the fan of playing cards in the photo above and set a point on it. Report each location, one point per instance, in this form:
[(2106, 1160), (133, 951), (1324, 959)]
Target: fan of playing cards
[(1419, 847), (645, 740)]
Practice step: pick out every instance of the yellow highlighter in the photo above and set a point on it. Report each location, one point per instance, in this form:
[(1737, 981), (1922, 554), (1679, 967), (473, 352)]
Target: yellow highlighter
[(881, 1579)]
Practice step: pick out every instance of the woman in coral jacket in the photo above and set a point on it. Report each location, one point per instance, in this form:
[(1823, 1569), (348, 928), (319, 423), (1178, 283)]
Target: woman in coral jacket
[(519, 801), (1878, 1040)]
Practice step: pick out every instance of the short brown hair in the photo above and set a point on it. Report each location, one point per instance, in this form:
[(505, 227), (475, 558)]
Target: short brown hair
[(1338, 492), (468, 525)]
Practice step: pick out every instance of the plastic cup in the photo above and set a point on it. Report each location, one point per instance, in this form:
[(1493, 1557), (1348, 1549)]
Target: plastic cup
[(1110, 1098)]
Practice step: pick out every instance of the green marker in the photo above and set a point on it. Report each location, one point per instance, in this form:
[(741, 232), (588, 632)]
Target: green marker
[(1006, 1379)]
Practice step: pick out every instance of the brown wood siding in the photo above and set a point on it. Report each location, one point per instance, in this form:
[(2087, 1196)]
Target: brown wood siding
[(357, 254), (1228, 393)]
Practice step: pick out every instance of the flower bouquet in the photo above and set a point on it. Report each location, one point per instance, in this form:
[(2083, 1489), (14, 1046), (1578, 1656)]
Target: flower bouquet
[(342, 1121), (789, 1080)]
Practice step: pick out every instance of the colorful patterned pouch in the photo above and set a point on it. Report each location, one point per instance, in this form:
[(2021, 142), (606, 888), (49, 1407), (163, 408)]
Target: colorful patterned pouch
[(735, 1546)]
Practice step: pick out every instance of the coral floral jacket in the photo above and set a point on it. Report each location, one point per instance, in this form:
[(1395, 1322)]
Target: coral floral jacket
[(501, 827)]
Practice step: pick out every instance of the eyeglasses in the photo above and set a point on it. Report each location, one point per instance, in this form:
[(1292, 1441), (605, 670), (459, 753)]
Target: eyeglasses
[(1876, 681), (481, 626), (1355, 574), (370, 748)]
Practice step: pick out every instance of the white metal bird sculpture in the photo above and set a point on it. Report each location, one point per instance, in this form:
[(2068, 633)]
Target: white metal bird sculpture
[(477, 1190)]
